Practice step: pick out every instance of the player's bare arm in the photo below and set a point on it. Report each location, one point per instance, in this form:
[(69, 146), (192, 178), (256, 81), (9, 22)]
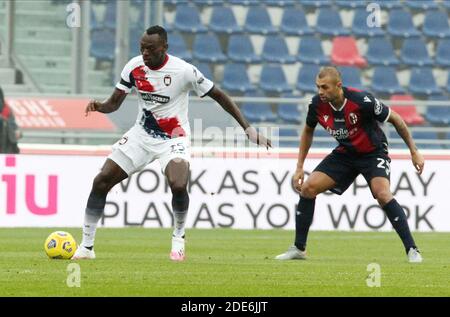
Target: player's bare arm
[(403, 131), (110, 105), (229, 106), (305, 143)]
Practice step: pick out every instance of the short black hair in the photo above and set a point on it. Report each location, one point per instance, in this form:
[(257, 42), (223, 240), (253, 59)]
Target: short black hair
[(156, 29)]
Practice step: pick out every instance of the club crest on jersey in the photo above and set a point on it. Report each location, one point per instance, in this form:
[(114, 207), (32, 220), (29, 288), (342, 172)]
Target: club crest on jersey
[(325, 117), (167, 80), (353, 118)]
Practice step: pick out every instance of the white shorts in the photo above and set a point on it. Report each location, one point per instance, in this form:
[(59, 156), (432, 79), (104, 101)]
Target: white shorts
[(137, 149)]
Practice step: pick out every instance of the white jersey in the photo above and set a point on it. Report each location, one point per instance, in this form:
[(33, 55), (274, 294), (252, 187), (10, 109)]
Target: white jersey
[(163, 94)]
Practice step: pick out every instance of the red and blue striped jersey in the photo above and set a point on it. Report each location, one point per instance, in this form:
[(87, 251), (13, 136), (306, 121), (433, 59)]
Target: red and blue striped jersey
[(356, 125)]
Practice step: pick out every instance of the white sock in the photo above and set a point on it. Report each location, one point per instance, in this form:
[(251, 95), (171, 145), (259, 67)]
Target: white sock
[(180, 219), (89, 229)]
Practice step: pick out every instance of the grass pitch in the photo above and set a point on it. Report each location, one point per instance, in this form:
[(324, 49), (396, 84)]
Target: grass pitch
[(225, 263)]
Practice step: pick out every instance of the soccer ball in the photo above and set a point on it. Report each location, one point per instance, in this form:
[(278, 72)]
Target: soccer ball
[(60, 245)]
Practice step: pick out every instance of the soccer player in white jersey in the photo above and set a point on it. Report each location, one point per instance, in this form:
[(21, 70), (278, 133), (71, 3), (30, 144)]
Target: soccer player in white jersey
[(161, 132)]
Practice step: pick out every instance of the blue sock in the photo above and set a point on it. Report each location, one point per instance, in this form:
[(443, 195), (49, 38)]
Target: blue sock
[(397, 217), (303, 219)]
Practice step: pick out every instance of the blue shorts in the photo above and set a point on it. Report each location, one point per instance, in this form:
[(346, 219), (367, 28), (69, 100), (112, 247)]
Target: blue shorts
[(344, 168)]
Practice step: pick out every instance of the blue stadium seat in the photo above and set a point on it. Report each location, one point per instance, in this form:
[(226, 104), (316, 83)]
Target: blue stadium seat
[(289, 112), (206, 48), (294, 22), (275, 50), (279, 3), (134, 45), (401, 24), (258, 21), (446, 4), (422, 82), (436, 24), (360, 26), (351, 77), (329, 23), (351, 4), (438, 115), (313, 4), (442, 55), (273, 80), (235, 79), (381, 52), (109, 20), (258, 111), (103, 44), (240, 49), (224, 21), (178, 48), (93, 23), (290, 133), (414, 53), (205, 69), (306, 79), (187, 19), (207, 3), (244, 2), (421, 4), (423, 138), (389, 4), (310, 51), (385, 81)]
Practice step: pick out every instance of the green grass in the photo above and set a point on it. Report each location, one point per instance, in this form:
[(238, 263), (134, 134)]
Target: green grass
[(223, 262)]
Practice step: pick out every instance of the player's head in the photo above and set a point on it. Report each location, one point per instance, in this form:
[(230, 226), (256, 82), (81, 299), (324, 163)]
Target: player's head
[(329, 83), (154, 46)]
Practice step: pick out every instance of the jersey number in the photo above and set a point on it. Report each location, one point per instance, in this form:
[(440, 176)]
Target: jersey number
[(384, 164)]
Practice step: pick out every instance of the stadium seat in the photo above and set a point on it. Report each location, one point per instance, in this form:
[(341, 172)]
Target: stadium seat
[(442, 56), (93, 22), (360, 26), (313, 4), (291, 135), (275, 50), (438, 115), (109, 19), (351, 4), (135, 35), (206, 48), (279, 3), (401, 24), (329, 23), (224, 21), (177, 47), (381, 52), (294, 22), (240, 49), (187, 19), (306, 79), (207, 3), (103, 44), (409, 111), (422, 82), (421, 4), (389, 4), (414, 53), (345, 52), (258, 21), (427, 140), (289, 112), (273, 80), (385, 81), (310, 51), (258, 111), (235, 79), (205, 69), (446, 4), (436, 24), (244, 2), (351, 77)]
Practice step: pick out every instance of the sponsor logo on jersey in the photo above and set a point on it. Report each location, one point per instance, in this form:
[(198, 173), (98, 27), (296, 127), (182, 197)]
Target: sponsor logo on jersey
[(167, 80), (155, 98)]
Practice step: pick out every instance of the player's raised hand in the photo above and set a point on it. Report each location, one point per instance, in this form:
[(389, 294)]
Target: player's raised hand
[(297, 179), (418, 161), (92, 106), (257, 138)]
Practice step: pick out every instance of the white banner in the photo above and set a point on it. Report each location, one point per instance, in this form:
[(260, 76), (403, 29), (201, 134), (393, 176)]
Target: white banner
[(44, 191)]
